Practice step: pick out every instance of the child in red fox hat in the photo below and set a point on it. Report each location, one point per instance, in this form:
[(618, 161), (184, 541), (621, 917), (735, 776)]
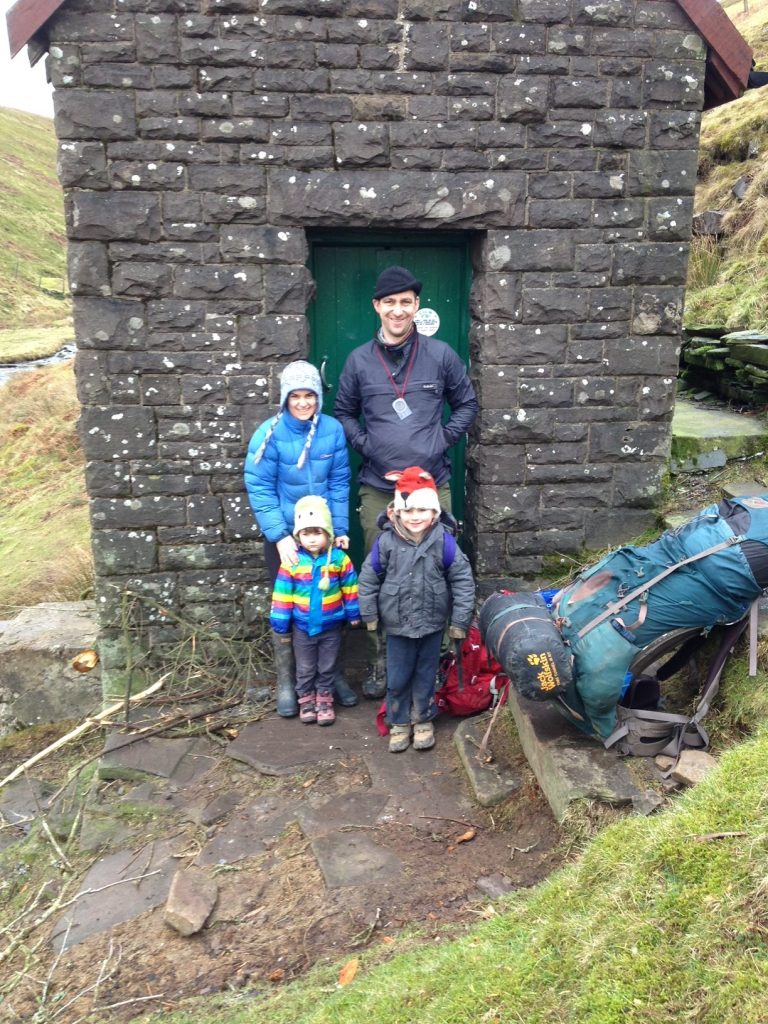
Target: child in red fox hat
[(411, 585)]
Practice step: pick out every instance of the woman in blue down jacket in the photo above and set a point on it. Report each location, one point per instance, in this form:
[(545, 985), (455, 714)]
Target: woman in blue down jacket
[(299, 451)]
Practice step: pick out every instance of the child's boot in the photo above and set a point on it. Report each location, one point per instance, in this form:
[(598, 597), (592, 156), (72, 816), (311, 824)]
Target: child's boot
[(375, 683), (399, 738), (423, 736), (307, 709), (325, 713)]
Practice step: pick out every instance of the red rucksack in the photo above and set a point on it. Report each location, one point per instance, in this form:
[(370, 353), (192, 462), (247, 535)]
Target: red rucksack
[(483, 684), (467, 684)]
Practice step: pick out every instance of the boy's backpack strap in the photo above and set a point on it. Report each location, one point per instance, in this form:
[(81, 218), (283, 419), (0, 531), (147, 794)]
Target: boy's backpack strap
[(376, 558), (449, 550), (449, 554), (615, 606)]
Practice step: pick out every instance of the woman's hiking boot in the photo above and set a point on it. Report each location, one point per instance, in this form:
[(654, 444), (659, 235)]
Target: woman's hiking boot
[(285, 674), (375, 683), (325, 713), (423, 736), (308, 709), (399, 738)]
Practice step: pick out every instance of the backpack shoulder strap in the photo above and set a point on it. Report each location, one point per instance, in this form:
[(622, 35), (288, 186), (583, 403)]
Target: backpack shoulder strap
[(616, 606), (644, 733), (449, 550), (376, 558)]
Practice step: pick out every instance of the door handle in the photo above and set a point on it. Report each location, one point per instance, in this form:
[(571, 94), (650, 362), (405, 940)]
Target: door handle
[(323, 365)]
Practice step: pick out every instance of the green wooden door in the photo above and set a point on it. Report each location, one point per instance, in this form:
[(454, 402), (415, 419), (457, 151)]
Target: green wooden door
[(345, 267)]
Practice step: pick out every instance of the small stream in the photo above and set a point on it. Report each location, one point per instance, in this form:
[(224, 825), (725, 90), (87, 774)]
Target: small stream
[(7, 370)]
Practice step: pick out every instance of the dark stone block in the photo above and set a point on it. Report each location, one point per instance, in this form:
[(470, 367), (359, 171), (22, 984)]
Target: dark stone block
[(208, 556), (523, 99), (496, 464), (553, 305), (638, 486), (604, 12), (658, 312), (496, 297), (162, 176), (123, 551), (618, 526), (88, 268), (674, 84), (620, 129), (109, 323), (514, 37), (650, 264), (279, 81), (165, 77), (517, 344), (389, 108), (141, 280), (287, 289), (94, 114), (580, 92), (82, 165), (598, 184), (177, 128), (169, 484), (216, 280), (117, 432), (545, 393), (118, 76), (108, 479), (670, 219), (360, 198), (560, 135), (91, 378), (273, 337), (167, 314), (613, 213), (239, 523), (358, 145), (670, 172), (105, 216), (630, 442), (674, 129), (559, 213), (148, 511), (203, 510)]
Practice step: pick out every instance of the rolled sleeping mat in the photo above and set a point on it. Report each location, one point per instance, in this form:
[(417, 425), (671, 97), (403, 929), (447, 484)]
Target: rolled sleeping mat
[(519, 632)]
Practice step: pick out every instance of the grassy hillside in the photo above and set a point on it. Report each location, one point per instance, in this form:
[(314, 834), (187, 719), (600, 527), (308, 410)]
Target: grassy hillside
[(44, 530), (728, 277), (33, 255)]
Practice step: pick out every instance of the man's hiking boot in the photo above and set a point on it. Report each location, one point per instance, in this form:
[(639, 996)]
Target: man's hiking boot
[(285, 672), (423, 736), (399, 738), (307, 709), (325, 713)]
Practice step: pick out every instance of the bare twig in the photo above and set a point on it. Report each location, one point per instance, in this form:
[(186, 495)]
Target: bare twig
[(456, 821), (73, 734), (709, 836)]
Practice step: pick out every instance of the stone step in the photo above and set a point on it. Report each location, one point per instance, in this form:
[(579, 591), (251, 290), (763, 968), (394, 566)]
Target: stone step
[(705, 438)]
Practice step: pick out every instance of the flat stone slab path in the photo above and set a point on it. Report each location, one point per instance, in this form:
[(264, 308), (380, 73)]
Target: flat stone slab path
[(374, 824)]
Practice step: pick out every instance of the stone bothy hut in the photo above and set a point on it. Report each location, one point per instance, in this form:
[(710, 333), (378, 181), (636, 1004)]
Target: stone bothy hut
[(236, 173)]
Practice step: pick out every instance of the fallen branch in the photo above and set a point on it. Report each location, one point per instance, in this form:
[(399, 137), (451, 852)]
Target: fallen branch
[(86, 726), (709, 836), (456, 821)]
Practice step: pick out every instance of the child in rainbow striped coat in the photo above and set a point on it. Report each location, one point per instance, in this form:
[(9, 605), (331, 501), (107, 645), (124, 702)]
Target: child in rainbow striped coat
[(311, 601)]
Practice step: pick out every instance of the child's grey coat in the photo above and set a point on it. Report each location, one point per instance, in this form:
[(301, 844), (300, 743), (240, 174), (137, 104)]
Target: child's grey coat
[(416, 595)]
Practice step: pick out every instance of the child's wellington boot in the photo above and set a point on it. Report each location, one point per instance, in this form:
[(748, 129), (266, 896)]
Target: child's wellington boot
[(399, 738), (307, 709), (325, 713), (423, 736)]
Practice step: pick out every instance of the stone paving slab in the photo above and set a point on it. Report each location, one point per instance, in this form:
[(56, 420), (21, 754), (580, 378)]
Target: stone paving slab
[(123, 759), (284, 746), (360, 808), (117, 900), (490, 783), (352, 858), (248, 831), (570, 767)]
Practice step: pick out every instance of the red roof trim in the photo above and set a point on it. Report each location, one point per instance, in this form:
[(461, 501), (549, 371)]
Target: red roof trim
[(730, 56), (25, 18), (728, 63)]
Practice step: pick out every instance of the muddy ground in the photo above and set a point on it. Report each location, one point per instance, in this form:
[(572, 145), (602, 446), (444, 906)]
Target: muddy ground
[(275, 916)]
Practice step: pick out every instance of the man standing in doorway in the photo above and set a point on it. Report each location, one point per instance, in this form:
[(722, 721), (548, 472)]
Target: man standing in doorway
[(398, 383)]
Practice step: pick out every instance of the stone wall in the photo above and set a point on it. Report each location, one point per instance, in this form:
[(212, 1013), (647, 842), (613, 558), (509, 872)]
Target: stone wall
[(200, 138)]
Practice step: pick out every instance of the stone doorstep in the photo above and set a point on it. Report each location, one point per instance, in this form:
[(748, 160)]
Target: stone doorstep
[(570, 767), (705, 438), (491, 783)]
